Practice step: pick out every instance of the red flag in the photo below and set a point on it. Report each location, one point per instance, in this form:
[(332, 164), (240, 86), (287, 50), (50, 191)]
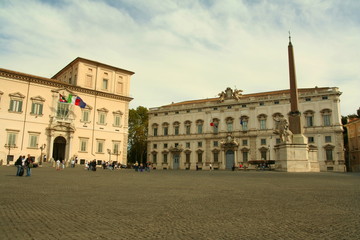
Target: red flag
[(212, 124), (62, 98)]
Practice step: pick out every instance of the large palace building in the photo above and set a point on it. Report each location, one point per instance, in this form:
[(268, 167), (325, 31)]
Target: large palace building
[(239, 128), (80, 113)]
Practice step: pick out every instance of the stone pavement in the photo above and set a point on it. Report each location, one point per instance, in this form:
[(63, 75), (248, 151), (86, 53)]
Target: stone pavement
[(124, 204)]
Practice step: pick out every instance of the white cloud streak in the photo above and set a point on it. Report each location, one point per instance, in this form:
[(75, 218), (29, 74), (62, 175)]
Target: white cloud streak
[(183, 50)]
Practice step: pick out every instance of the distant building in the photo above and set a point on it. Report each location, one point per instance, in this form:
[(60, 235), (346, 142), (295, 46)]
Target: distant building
[(239, 128), (353, 129), (37, 119)]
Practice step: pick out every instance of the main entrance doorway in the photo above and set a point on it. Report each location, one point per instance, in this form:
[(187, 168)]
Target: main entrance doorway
[(59, 148), (176, 161), (230, 159)]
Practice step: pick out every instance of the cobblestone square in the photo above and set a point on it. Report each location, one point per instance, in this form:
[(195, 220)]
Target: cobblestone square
[(123, 204)]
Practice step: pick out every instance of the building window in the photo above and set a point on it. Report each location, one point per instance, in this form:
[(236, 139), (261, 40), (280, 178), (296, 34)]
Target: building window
[(245, 142), (215, 108), (116, 148), (229, 124), (216, 157), (100, 146), (165, 145), (176, 145), (327, 139), (199, 157), (308, 99), (326, 115), (117, 119), (105, 84), (261, 103), (187, 127), (243, 105), (37, 105), (263, 154), (102, 113), (187, 145), (85, 114), (166, 130), (263, 141), (244, 123), (311, 140), (216, 143), (199, 144), (154, 160), (176, 112), (324, 97), (276, 102), (215, 125), (329, 154), (309, 118), (83, 144), (102, 118), (187, 158), (15, 105), (11, 139), (165, 158), (262, 121), (245, 156), (62, 110), (154, 146), (229, 107), (278, 141), (155, 129), (199, 125), (33, 140), (88, 81), (176, 128)]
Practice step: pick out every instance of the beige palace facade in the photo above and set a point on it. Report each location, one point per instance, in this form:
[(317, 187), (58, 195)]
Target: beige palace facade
[(239, 128), (34, 121), (353, 127)]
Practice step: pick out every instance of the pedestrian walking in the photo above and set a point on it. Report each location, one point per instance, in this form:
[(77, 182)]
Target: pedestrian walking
[(19, 166), (58, 165), (28, 165)]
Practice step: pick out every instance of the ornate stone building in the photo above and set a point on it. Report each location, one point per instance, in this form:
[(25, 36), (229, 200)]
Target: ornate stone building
[(353, 128), (238, 128), (81, 112)]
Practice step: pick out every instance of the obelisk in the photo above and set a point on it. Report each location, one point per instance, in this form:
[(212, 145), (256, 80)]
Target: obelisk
[(294, 117)]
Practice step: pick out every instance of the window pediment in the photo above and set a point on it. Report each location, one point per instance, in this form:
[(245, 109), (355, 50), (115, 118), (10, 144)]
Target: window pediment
[(103, 110), (16, 95), (38, 99), (118, 112)]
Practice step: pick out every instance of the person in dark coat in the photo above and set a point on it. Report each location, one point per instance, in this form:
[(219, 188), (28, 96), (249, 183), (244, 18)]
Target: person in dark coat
[(28, 163), (18, 164)]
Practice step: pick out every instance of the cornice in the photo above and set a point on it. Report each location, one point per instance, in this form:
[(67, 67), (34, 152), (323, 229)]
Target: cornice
[(57, 84)]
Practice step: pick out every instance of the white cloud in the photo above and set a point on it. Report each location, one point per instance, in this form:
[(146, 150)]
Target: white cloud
[(189, 49)]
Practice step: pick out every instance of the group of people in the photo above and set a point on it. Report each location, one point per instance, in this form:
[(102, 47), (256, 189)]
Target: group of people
[(22, 164), (141, 167)]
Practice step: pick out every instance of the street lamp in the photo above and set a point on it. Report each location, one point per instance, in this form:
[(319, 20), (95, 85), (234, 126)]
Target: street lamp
[(109, 152), (42, 147), (8, 159)]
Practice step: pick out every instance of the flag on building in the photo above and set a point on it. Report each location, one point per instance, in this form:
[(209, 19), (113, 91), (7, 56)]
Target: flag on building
[(79, 102), (71, 99), (212, 124), (62, 98)]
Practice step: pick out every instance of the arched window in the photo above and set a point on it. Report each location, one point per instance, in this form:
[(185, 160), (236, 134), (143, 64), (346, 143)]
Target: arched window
[(187, 127), (244, 122), (262, 121), (155, 129), (199, 126), (229, 124), (165, 129), (309, 118), (176, 126), (326, 116)]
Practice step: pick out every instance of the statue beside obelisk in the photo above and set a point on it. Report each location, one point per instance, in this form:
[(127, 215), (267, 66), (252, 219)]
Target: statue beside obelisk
[(294, 155)]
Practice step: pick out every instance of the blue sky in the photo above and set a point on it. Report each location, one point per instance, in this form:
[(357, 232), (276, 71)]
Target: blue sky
[(187, 49)]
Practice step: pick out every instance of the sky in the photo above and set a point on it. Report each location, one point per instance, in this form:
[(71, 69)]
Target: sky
[(190, 49)]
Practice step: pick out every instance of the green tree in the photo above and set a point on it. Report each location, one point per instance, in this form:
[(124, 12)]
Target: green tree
[(138, 132)]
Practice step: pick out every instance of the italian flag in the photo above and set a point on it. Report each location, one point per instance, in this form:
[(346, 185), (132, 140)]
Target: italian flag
[(71, 99)]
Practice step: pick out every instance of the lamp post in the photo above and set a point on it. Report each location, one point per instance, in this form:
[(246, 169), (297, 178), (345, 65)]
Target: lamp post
[(109, 152), (42, 147), (9, 146)]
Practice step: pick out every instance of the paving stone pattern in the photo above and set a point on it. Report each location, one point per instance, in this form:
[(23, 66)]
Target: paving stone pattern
[(124, 204)]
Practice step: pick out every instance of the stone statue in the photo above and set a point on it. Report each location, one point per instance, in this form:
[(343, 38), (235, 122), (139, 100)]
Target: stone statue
[(282, 129), (237, 94), (221, 96)]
